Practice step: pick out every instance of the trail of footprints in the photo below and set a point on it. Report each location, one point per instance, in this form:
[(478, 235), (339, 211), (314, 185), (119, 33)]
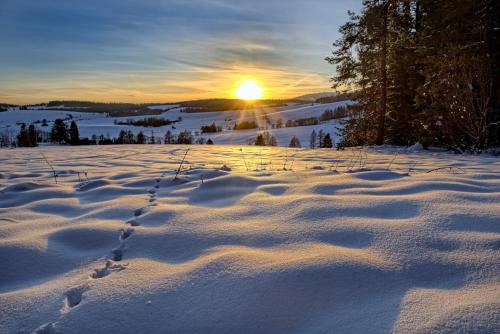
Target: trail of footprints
[(74, 296)]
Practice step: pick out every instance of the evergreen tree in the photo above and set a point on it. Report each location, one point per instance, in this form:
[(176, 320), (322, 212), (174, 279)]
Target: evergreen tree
[(169, 139), (185, 137), (425, 71), (327, 141), (294, 142), (32, 136), (59, 132), (122, 137), (22, 137), (260, 140), (210, 142), (313, 139), (74, 134), (321, 136), (141, 139)]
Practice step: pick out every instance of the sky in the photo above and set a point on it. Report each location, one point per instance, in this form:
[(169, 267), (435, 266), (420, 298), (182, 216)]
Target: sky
[(165, 50)]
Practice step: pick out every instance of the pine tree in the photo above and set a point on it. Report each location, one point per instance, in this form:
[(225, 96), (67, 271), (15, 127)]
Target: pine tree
[(168, 138), (22, 137), (321, 136), (327, 141), (313, 139), (122, 137), (59, 132), (260, 141), (74, 134), (294, 142), (32, 136), (185, 138), (141, 139), (209, 142), (152, 138)]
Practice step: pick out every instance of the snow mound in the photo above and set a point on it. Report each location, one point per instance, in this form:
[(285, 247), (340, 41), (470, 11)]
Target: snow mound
[(149, 245)]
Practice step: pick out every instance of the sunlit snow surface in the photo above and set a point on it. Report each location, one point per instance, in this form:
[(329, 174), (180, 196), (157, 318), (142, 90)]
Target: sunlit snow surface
[(247, 240)]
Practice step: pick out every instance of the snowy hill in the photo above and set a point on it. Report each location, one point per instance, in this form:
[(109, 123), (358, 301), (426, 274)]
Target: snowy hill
[(98, 123), (247, 240)]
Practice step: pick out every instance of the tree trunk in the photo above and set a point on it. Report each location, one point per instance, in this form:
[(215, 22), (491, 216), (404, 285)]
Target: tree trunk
[(383, 78)]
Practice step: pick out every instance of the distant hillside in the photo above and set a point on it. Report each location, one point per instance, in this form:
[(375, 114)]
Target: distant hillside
[(313, 97), (113, 109), (5, 106), (226, 104), (326, 97)]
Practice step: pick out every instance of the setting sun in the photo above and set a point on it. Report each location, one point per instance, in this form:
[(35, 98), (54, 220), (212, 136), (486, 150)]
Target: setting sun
[(249, 90)]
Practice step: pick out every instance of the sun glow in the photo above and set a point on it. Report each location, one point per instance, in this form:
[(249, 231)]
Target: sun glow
[(249, 90)]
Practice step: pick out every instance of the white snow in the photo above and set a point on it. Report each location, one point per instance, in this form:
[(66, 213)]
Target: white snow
[(95, 123), (247, 240)]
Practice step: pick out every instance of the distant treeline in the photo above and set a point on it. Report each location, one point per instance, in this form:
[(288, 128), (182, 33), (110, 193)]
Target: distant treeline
[(336, 98), (245, 125), (147, 122), (113, 109), (211, 105), (61, 133)]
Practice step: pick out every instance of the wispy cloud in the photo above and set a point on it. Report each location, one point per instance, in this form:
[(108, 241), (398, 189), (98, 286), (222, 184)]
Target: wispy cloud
[(164, 50)]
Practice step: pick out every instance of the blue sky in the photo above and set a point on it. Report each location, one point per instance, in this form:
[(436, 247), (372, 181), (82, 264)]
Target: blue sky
[(170, 50)]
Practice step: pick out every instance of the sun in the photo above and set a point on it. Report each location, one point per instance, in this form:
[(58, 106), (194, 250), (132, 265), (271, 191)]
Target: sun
[(249, 90)]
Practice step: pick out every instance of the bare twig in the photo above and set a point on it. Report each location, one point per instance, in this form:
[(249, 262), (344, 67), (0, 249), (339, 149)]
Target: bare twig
[(51, 167), (180, 166), (392, 161), (448, 167)]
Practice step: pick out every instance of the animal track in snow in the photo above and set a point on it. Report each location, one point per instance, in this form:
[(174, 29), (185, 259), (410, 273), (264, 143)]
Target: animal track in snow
[(126, 233), (140, 212), (132, 222), (107, 269), (74, 295), (118, 253)]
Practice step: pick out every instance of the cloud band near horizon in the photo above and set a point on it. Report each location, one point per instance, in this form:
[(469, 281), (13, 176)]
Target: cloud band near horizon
[(164, 51)]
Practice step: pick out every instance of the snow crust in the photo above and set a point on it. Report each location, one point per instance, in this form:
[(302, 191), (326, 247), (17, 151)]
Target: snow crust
[(248, 240)]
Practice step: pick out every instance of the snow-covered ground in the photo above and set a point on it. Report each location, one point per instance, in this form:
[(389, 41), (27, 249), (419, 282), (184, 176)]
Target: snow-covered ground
[(94, 123), (247, 240)]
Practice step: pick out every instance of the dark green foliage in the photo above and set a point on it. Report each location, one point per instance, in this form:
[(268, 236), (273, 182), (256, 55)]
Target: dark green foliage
[(265, 139), (141, 139), (425, 71), (302, 122), (327, 141), (211, 128), (32, 136), (113, 109), (294, 142), (337, 113), (169, 138), (27, 137), (245, 125), (211, 105), (59, 133), (260, 141), (336, 98), (146, 122), (185, 137), (209, 142), (74, 134), (313, 139)]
